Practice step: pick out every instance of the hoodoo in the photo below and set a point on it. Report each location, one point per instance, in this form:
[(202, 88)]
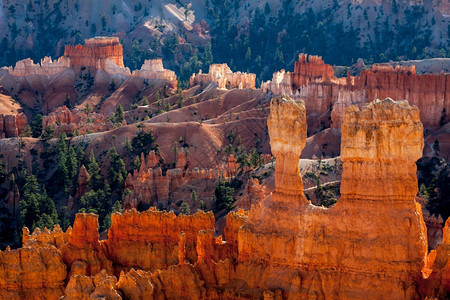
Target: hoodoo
[(372, 243)]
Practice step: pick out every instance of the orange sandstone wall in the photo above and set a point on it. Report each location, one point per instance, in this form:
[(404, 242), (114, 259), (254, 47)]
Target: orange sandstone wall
[(95, 53), (360, 248), (12, 125), (372, 244), (315, 83), (149, 240)]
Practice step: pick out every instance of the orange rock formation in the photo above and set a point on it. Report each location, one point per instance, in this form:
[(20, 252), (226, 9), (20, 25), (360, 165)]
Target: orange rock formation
[(372, 244), (299, 248), (95, 52), (35, 271), (222, 75), (101, 53), (149, 240), (149, 187), (12, 125), (314, 81), (76, 120)]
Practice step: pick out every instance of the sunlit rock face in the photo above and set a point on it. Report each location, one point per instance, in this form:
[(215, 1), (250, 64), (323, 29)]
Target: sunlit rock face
[(372, 243), (222, 75), (95, 53)]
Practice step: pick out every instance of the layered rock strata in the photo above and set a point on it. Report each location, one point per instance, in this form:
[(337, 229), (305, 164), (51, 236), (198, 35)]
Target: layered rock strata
[(315, 82), (76, 121), (340, 250), (96, 52), (372, 244), (149, 240), (12, 125), (32, 272), (100, 53), (222, 75)]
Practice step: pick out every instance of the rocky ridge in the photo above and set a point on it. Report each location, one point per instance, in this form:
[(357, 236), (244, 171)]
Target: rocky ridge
[(327, 96)]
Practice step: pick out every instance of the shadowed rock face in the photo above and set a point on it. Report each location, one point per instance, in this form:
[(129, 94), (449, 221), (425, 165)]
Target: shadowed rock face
[(372, 244)]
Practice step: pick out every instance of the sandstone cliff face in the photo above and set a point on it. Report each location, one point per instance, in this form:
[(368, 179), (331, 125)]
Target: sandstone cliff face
[(32, 273), (315, 82), (149, 187), (222, 75), (12, 125), (47, 67), (371, 244), (437, 282), (297, 240), (83, 253), (96, 52), (101, 53), (149, 240)]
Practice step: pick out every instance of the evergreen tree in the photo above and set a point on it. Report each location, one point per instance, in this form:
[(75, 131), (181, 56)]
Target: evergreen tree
[(180, 100), (112, 86), (72, 165), (62, 161), (185, 209), (208, 55), (36, 208), (119, 115), (47, 134), (36, 126), (194, 197), (96, 180), (254, 158), (136, 163), (117, 172)]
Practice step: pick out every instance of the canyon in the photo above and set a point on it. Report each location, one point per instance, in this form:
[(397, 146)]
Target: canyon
[(193, 150), (371, 243)]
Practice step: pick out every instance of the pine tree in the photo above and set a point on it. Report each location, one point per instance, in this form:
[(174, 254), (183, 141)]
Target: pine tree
[(185, 209), (254, 158), (62, 160), (136, 163), (36, 208), (180, 100), (194, 197), (117, 172), (72, 165), (36, 126), (208, 55), (119, 115), (95, 181)]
